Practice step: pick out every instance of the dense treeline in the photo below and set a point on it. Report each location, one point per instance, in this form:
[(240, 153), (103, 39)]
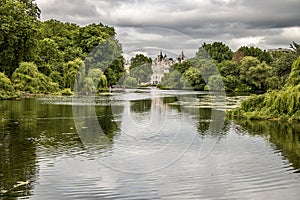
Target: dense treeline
[(249, 69), (56, 57), (47, 57), (281, 104)]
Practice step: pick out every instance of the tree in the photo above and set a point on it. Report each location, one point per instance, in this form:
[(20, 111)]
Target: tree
[(255, 74), (232, 83), (246, 63), (218, 51), (181, 67), (31, 8), (7, 90), (228, 67), (130, 82), (215, 83), (296, 48), (294, 77), (192, 78), (141, 68), (92, 35), (17, 35), (261, 55), (281, 65), (171, 81), (64, 34), (49, 56), (102, 85), (27, 78), (74, 71), (95, 81), (115, 71)]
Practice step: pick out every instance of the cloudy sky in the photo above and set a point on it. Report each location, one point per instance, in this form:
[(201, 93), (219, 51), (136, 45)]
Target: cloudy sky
[(171, 25)]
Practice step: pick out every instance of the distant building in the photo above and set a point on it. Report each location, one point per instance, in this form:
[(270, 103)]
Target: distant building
[(127, 65), (161, 65), (280, 50)]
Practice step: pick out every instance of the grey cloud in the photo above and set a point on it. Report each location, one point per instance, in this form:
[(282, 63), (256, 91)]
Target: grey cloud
[(265, 23)]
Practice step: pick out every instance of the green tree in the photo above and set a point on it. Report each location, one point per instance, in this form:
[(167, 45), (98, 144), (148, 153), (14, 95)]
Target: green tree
[(228, 67), (7, 90), (256, 74), (232, 83), (192, 78), (181, 67), (130, 82), (64, 34), (294, 77), (31, 8), (261, 55), (171, 80), (49, 56), (103, 84), (27, 78), (74, 71), (246, 63), (215, 83), (218, 51), (115, 71), (141, 68), (281, 65), (17, 35), (92, 35), (95, 81)]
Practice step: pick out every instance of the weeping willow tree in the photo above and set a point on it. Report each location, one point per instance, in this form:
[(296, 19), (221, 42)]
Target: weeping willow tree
[(27, 78), (279, 104)]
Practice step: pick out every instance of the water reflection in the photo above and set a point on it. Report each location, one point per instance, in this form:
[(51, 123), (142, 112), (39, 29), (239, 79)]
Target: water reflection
[(17, 149), (284, 135), (198, 156)]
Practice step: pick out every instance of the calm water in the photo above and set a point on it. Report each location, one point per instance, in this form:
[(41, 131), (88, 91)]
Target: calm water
[(143, 145)]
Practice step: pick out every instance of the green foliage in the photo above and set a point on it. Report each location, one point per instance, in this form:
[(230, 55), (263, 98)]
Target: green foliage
[(192, 79), (74, 71), (215, 83), (171, 81), (64, 34), (281, 66), (92, 35), (27, 78), (67, 92), (141, 68), (7, 90), (181, 67), (232, 83), (262, 56), (130, 82), (283, 104), (294, 77), (255, 74), (115, 71), (228, 68), (218, 51), (102, 85), (31, 8), (17, 35)]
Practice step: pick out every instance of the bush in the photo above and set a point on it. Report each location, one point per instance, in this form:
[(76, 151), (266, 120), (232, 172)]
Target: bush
[(7, 90)]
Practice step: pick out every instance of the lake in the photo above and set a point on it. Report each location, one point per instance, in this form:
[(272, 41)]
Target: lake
[(144, 144)]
